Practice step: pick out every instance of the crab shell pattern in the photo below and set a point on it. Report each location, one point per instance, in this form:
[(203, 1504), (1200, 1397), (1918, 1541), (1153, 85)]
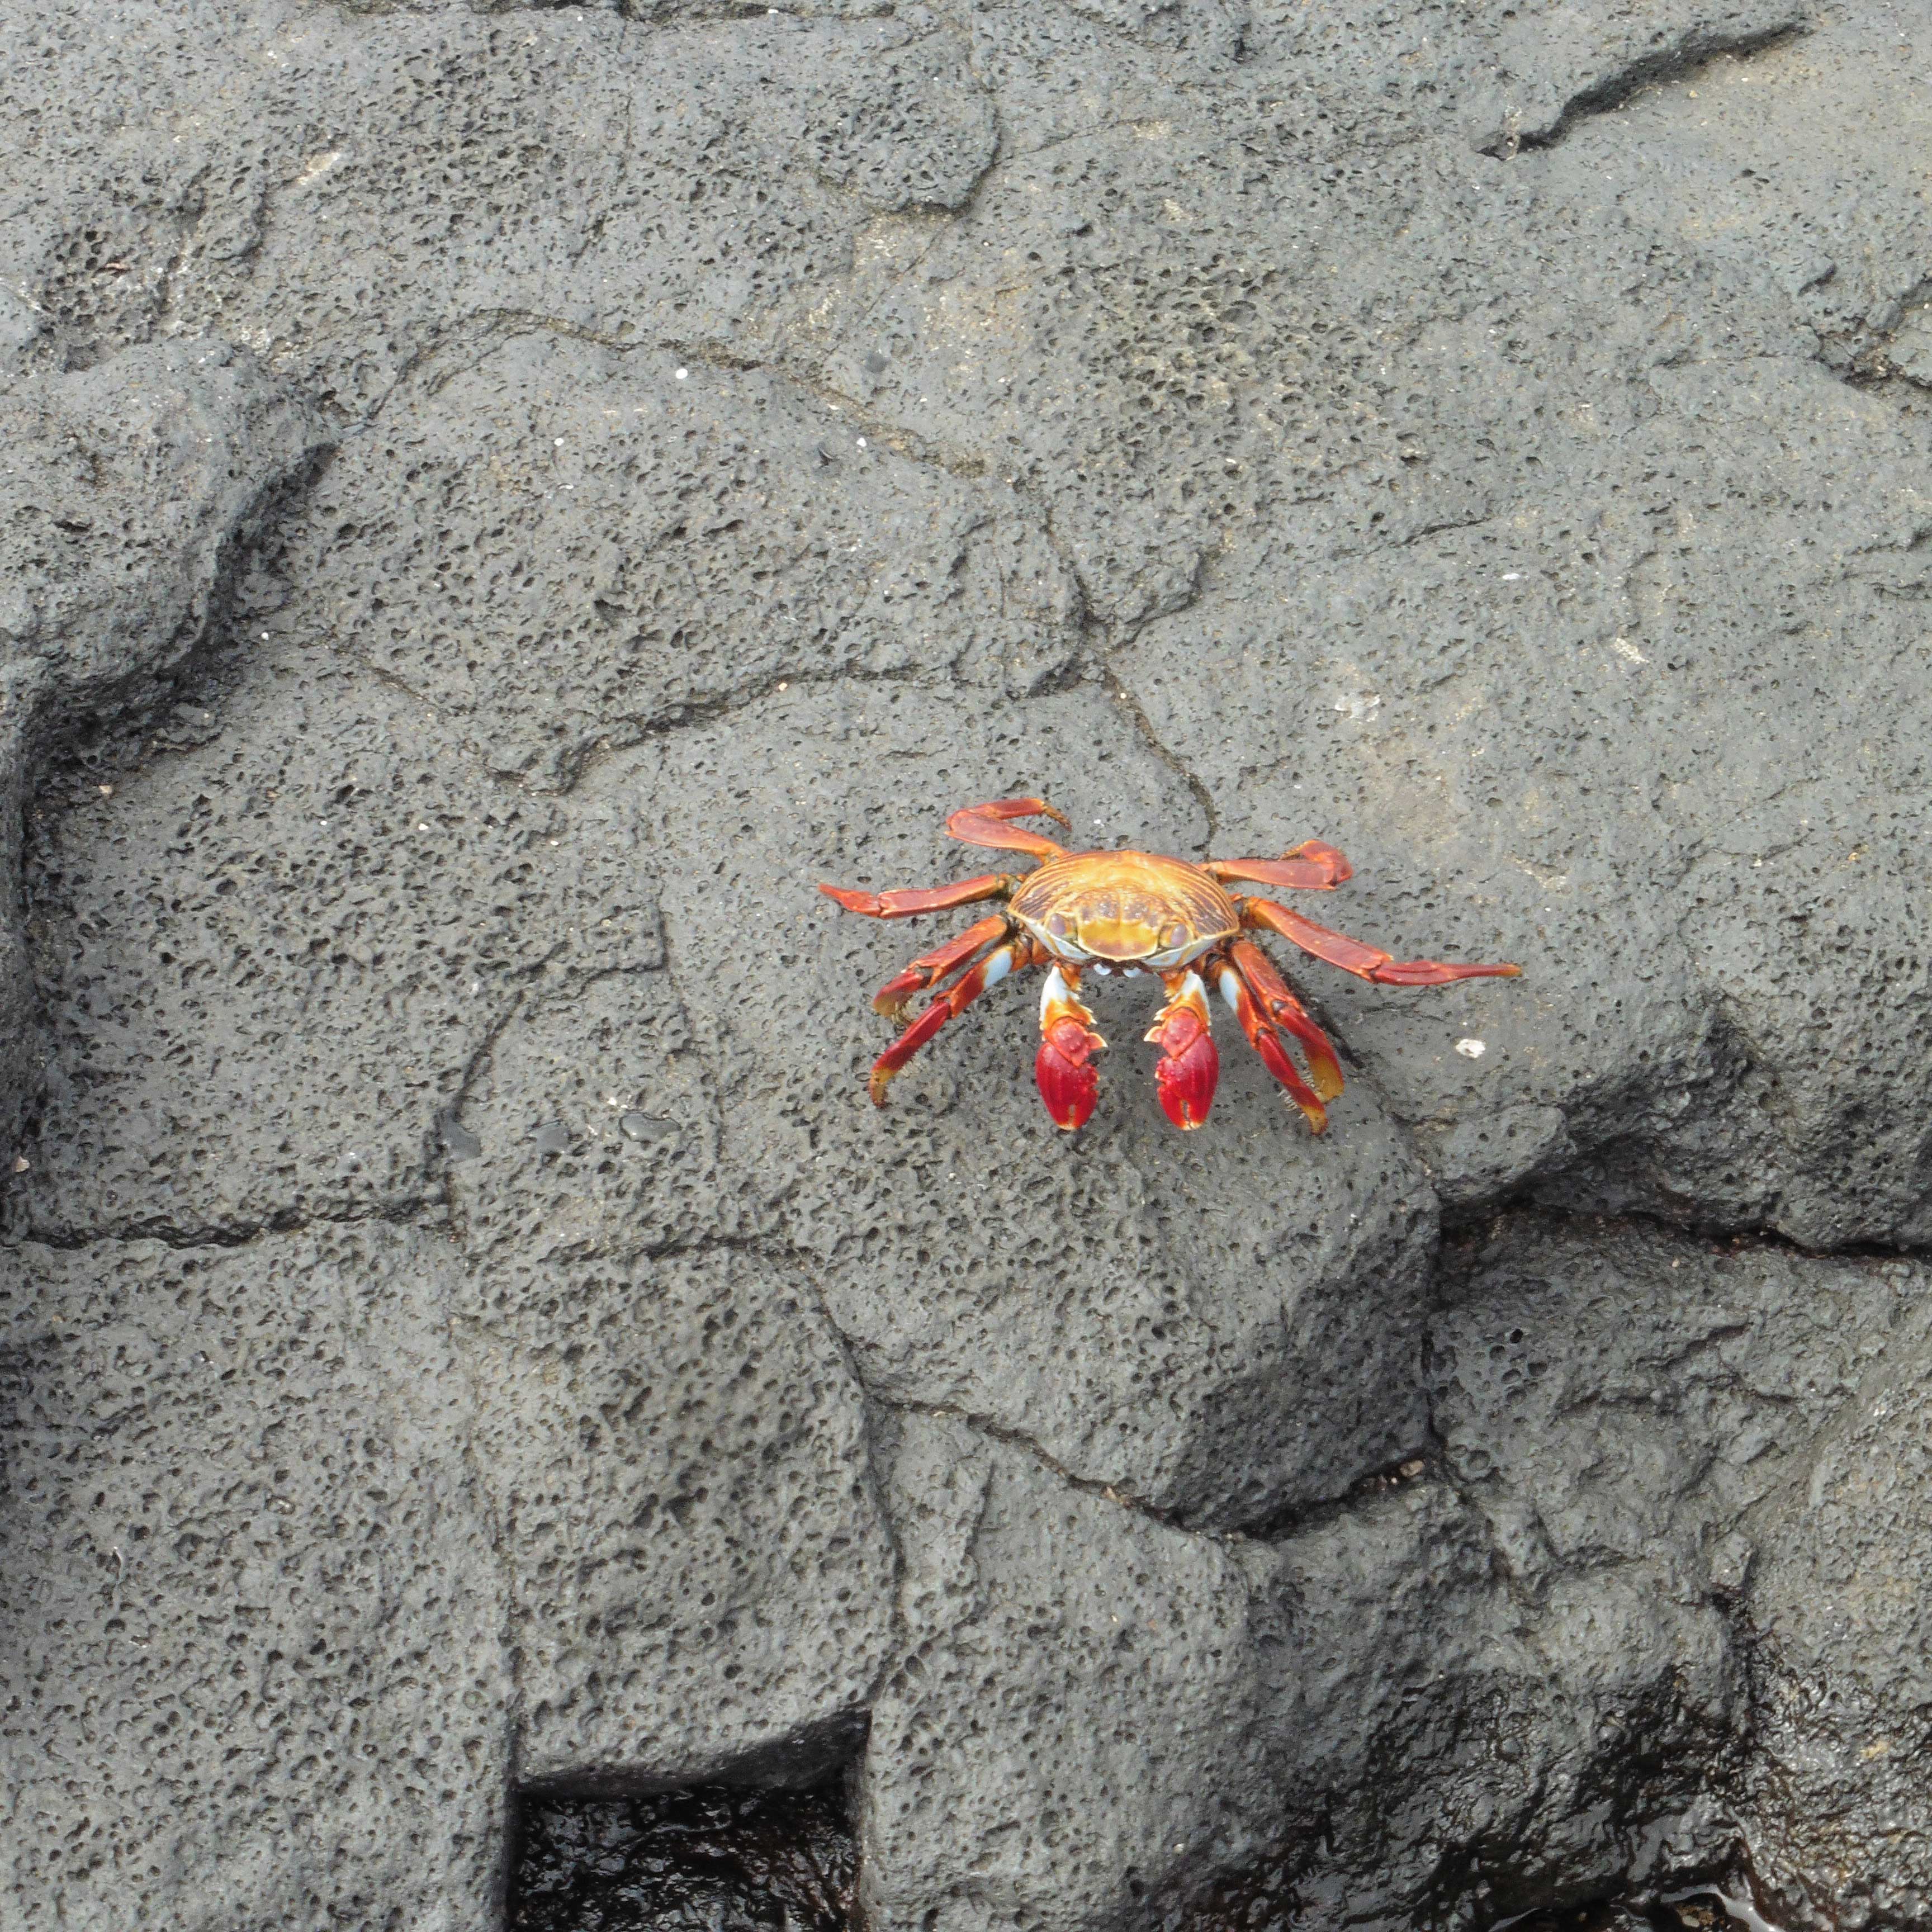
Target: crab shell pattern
[(1131, 912)]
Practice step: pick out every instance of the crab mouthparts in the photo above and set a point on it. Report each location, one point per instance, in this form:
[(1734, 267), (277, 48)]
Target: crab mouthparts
[(1118, 945)]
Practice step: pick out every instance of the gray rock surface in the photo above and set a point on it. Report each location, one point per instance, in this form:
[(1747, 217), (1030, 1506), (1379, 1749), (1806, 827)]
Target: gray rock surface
[(1517, 1674), (466, 1330), (128, 493), (1837, 1592), (1154, 1313), (256, 1640)]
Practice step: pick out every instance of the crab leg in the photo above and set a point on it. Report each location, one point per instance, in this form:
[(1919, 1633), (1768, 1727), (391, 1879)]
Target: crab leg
[(929, 969), (985, 825), (1069, 1081), (1271, 993), (912, 899), (957, 997), (1311, 867), (1266, 1042), (1366, 962), (1189, 1068)]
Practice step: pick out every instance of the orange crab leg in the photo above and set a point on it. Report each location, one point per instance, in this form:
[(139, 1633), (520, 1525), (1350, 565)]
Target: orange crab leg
[(985, 825), (957, 997), (941, 963), (1366, 962), (1311, 867), (1266, 1042), (1270, 991), (912, 899), (1069, 1081), (1190, 1068)]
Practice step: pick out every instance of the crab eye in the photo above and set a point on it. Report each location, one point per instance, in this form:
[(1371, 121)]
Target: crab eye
[(1056, 925), (1172, 935)]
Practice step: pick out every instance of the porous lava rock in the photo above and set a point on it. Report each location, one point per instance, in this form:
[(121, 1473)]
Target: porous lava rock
[(128, 492), (498, 502)]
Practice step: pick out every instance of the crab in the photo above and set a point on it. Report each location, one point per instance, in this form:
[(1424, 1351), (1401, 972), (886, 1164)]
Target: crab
[(1131, 914)]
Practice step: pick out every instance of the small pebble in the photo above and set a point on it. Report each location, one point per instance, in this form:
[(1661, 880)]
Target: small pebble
[(553, 1137), (1471, 1049), (646, 1127)]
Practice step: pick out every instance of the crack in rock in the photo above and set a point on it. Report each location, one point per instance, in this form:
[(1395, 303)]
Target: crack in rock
[(1692, 48)]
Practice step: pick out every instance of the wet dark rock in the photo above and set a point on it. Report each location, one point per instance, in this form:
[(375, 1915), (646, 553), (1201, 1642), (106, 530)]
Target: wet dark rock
[(467, 1331), (1723, 1907), (713, 1859)]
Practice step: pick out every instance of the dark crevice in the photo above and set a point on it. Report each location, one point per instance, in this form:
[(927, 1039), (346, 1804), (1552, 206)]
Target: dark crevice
[(1015, 1438), (1099, 663), (448, 1136), (1725, 1896), (1203, 797), (1477, 1225), (486, 331), (1424, 1463), (688, 714), (1681, 62), (398, 1209), (778, 1249)]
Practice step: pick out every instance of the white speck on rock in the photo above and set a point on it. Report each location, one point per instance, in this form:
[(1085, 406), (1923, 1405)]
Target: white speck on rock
[(1472, 1049)]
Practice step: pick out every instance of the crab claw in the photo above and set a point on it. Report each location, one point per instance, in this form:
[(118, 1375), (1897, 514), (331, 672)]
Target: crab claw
[(1190, 1068), (1070, 1083)]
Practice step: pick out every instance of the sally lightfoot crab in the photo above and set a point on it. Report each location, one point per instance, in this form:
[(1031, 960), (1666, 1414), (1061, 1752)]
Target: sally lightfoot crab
[(1131, 912)]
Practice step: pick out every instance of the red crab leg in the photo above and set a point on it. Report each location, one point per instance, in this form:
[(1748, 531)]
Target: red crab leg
[(912, 899), (1270, 991), (1069, 1081), (985, 825), (1366, 962), (1190, 1068), (941, 963), (1311, 867), (1265, 1041), (988, 972)]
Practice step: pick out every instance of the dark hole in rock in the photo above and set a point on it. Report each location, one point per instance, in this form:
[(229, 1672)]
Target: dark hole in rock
[(1724, 1908), (711, 1858)]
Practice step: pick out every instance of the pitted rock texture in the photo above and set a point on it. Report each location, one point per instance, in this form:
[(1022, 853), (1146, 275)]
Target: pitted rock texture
[(1135, 1305), (256, 1642), (1517, 1674), (128, 494), (500, 501)]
